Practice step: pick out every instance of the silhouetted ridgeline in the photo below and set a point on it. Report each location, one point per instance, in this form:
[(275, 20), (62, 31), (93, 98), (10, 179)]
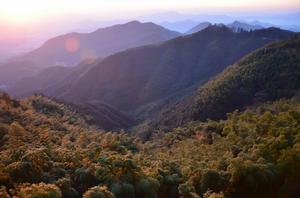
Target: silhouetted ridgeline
[(144, 77)]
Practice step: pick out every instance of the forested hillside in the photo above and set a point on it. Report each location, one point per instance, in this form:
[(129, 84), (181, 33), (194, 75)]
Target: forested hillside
[(141, 80), (267, 74), (47, 150)]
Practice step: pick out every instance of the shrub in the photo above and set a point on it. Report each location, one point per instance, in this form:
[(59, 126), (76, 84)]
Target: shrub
[(67, 190), (3, 192), (98, 192), (40, 190)]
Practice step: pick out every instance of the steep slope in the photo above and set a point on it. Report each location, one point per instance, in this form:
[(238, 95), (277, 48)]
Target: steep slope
[(269, 73), (47, 77), (104, 116), (198, 27), (147, 76)]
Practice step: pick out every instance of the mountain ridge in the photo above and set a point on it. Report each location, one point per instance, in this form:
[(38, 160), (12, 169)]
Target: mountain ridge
[(72, 48), (149, 76)]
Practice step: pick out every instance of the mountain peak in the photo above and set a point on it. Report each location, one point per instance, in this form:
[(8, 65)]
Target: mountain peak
[(134, 22), (238, 26), (199, 27)]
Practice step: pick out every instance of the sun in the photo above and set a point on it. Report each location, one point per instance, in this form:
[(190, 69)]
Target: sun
[(22, 11)]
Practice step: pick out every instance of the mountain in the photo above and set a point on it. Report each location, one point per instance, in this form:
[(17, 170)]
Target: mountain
[(141, 80), (235, 26), (267, 74), (238, 26), (144, 75), (72, 48), (198, 27)]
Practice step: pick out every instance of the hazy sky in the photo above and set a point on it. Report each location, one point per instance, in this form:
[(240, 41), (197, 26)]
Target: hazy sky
[(25, 11)]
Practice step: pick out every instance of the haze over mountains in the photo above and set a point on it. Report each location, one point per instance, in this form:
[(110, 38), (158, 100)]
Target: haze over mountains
[(72, 48), (25, 39), (183, 22), (140, 80)]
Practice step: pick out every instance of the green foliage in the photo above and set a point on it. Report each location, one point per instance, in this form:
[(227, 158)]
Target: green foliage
[(40, 190), (98, 192), (66, 188), (211, 180), (254, 153), (269, 73)]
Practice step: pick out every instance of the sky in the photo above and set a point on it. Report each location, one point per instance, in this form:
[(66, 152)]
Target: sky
[(26, 24), (33, 11)]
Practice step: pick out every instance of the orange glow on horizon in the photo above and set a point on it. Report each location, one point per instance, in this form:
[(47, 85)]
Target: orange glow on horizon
[(28, 11)]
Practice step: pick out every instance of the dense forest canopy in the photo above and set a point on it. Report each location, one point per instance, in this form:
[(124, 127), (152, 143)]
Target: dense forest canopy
[(47, 150)]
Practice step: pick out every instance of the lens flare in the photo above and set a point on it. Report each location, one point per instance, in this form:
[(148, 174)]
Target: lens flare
[(89, 56), (72, 45)]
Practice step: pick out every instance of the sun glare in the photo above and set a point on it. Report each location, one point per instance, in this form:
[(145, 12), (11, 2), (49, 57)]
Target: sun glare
[(24, 11), (16, 11)]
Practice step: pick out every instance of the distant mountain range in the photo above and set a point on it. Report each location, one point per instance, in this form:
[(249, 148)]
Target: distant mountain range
[(235, 26), (278, 19), (184, 22), (62, 50), (238, 26), (72, 48), (141, 80)]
